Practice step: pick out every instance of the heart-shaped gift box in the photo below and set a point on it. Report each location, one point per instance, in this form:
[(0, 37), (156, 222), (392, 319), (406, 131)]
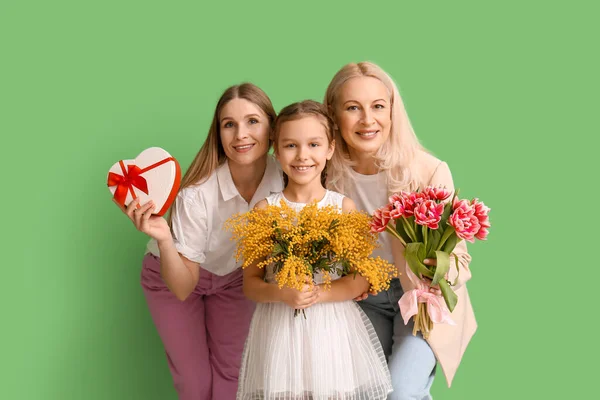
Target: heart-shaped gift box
[(153, 175)]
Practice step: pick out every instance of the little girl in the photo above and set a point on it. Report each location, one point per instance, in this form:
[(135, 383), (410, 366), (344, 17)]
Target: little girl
[(334, 352)]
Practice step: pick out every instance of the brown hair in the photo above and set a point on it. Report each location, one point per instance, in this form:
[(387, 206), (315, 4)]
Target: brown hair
[(211, 154), (303, 109)]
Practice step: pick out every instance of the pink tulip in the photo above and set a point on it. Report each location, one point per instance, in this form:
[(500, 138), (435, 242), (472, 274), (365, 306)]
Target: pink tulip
[(465, 204), (434, 193), (429, 213), (386, 211), (378, 221), (397, 210), (463, 219), (482, 234), (377, 226), (481, 212), (412, 200), (395, 197)]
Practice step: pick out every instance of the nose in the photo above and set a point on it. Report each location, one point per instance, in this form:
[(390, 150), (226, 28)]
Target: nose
[(302, 153), (241, 132), (367, 117)]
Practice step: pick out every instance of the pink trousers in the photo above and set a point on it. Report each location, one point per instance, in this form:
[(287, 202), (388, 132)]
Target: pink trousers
[(204, 335)]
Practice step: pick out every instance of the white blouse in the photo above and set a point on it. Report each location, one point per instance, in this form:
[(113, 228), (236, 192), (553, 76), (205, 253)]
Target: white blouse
[(201, 212)]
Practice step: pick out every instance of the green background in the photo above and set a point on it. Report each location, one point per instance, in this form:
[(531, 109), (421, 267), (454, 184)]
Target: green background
[(505, 92)]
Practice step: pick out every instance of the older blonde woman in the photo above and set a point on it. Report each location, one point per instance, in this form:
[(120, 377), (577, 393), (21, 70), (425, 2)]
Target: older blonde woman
[(377, 154)]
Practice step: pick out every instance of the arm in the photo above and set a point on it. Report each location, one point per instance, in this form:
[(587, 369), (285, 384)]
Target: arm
[(259, 291), (180, 274), (443, 177), (347, 287), (255, 287)]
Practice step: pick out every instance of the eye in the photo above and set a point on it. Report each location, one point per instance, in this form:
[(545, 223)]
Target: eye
[(253, 121), (352, 108), (379, 106), (314, 145), (228, 124), (289, 146)]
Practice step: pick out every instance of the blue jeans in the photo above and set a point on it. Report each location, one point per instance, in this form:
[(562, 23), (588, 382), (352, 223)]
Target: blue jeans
[(410, 359)]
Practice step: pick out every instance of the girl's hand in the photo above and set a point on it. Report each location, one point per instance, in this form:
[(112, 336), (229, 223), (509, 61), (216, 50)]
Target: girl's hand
[(152, 225), (300, 299)]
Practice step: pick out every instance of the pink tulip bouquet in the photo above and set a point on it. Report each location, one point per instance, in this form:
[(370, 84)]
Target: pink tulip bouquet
[(429, 225)]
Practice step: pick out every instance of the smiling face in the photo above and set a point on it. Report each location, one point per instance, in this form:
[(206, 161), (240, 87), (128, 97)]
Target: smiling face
[(363, 114), (303, 149), (244, 131)]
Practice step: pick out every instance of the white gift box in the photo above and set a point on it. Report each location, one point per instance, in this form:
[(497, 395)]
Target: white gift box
[(153, 175)]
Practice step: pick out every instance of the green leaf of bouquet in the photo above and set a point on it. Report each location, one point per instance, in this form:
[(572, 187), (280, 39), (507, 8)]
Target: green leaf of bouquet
[(415, 254), (309, 266), (433, 242), (346, 267), (451, 243), (445, 216), (417, 228), (277, 250), (449, 296), (324, 263), (457, 270), (333, 224), (401, 231), (443, 265)]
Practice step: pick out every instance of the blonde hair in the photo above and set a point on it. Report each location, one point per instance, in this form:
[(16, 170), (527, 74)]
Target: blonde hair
[(211, 154), (300, 110), (396, 155)]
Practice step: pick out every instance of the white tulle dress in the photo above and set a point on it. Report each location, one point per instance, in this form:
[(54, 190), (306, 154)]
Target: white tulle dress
[(332, 354)]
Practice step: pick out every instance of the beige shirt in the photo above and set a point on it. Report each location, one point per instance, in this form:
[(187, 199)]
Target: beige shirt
[(448, 342), (370, 193)]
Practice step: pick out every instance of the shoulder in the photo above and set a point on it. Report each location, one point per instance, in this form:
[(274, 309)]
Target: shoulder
[(273, 198), (339, 200), (198, 192), (431, 170), (348, 204), (426, 164), (261, 204)]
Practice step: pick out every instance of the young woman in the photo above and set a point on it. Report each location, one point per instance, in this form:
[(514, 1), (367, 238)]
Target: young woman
[(192, 283)]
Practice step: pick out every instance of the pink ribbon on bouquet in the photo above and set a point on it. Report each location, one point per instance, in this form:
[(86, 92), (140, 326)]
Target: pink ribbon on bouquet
[(436, 306)]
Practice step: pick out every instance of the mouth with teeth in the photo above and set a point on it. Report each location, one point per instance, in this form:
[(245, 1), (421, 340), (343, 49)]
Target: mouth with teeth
[(302, 168), (367, 134), (243, 148)]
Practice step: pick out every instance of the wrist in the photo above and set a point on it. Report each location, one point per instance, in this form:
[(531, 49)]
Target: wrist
[(165, 244), (324, 294), (279, 295)]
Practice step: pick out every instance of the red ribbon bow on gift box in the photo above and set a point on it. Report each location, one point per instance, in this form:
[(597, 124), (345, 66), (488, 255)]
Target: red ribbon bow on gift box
[(131, 178)]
